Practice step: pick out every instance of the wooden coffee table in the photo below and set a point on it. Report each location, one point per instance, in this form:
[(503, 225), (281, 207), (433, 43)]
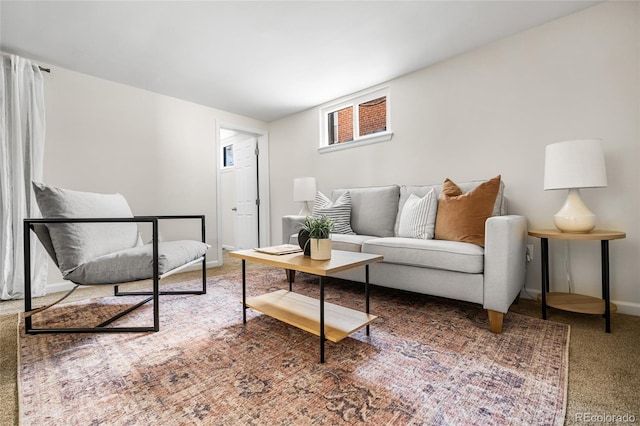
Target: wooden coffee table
[(326, 320)]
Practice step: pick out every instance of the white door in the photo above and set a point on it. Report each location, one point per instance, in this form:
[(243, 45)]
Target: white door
[(246, 171)]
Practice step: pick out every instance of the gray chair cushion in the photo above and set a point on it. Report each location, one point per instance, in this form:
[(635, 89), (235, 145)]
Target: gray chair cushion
[(435, 254), (137, 263), (373, 209), (77, 243), (42, 232)]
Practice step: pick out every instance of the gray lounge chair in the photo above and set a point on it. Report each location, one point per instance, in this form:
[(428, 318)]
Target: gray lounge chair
[(94, 240)]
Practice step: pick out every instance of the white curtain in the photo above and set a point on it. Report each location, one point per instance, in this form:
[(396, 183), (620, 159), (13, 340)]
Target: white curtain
[(22, 129)]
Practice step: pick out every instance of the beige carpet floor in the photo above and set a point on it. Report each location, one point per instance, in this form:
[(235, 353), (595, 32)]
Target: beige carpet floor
[(604, 373)]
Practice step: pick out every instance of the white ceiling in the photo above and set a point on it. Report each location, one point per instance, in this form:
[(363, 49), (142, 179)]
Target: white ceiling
[(264, 59)]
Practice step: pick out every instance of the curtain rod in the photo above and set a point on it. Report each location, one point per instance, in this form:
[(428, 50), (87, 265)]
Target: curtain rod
[(43, 69)]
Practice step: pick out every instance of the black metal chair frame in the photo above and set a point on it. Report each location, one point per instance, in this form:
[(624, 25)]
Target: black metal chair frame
[(154, 293)]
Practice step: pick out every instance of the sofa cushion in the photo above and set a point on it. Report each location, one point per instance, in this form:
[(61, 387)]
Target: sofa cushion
[(418, 217), (462, 217), (349, 242), (500, 204), (76, 243), (435, 254), (137, 263), (499, 208), (339, 211), (373, 209)]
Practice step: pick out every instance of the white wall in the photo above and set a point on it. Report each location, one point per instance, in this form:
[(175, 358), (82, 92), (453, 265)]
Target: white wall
[(492, 111), (158, 151)]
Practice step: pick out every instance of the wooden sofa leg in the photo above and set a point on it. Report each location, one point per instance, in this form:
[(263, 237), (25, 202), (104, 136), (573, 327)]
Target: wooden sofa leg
[(495, 321)]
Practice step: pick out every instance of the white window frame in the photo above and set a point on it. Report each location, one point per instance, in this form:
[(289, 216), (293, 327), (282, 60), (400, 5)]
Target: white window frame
[(223, 148), (354, 101)]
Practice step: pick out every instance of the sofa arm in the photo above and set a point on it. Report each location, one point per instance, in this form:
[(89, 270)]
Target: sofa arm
[(291, 224), (504, 261)]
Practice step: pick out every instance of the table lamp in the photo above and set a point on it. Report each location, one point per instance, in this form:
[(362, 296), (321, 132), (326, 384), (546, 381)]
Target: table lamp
[(304, 190), (573, 165)]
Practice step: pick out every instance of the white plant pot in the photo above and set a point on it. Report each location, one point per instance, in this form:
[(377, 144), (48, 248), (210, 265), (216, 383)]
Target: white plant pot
[(320, 248)]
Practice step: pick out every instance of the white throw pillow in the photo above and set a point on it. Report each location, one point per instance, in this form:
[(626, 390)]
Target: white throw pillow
[(339, 212), (418, 217)]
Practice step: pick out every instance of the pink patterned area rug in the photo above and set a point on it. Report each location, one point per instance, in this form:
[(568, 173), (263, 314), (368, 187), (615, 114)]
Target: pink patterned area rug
[(428, 361)]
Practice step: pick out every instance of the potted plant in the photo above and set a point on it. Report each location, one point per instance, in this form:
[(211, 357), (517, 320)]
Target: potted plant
[(319, 229)]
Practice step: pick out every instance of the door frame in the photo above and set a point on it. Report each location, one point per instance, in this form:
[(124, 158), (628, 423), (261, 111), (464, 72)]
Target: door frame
[(262, 137)]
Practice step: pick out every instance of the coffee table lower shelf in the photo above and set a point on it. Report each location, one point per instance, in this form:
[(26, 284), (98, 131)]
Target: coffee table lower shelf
[(304, 313)]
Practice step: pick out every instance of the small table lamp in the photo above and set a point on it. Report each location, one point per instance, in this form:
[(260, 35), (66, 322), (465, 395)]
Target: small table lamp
[(573, 165), (304, 190)]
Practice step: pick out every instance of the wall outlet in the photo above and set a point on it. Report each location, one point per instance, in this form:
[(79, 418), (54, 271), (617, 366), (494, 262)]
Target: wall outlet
[(529, 252)]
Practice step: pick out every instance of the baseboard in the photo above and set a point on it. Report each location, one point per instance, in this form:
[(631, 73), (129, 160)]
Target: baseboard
[(58, 287), (67, 285), (627, 308)]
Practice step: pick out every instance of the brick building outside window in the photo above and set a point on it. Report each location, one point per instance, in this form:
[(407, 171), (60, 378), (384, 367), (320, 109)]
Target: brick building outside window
[(356, 120), (373, 116)]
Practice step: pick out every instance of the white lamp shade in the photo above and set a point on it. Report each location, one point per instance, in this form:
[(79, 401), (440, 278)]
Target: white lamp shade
[(575, 164), (304, 188)]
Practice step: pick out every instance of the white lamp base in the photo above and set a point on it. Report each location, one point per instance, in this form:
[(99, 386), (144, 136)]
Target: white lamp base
[(575, 216), (305, 209)]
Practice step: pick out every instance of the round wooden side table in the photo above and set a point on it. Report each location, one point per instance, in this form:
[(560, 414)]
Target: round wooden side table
[(577, 302)]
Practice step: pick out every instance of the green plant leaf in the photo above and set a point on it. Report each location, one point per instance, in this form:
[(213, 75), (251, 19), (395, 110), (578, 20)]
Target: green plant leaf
[(318, 227)]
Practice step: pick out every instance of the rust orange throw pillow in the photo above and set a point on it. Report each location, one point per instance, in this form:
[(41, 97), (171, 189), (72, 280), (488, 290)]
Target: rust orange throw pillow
[(461, 217)]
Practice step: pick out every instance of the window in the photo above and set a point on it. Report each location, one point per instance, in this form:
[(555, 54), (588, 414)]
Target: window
[(358, 120), (340, 125), (372, 116), (227, 156)]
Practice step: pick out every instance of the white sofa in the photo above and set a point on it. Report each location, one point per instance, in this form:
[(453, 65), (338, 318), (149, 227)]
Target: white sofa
[(492, 275)]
